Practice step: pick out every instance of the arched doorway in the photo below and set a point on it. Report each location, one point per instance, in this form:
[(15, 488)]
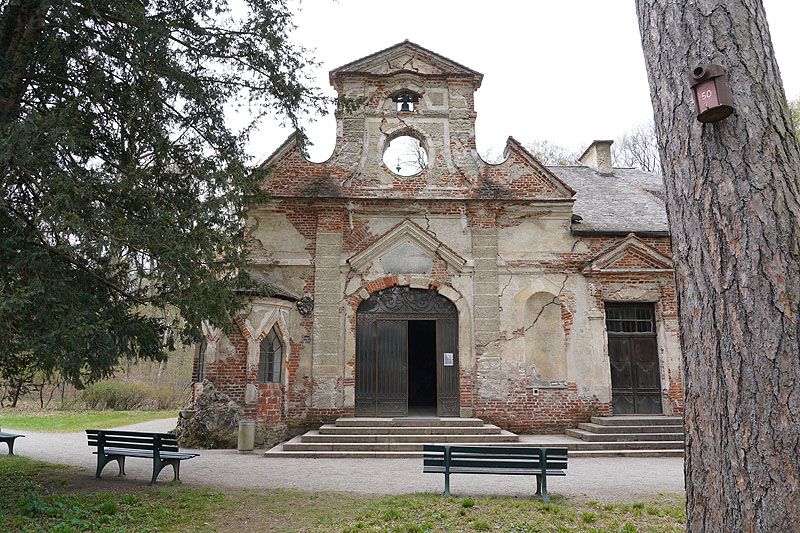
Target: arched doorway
[(406, 354)]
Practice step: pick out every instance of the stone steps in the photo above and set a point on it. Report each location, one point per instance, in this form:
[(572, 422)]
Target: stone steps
[(391, 437), (298, 449), (403, 438), (494, 436), (314, 437), (301, 444), (610, 430), (638, 420), (409, 421), (331, 429), (623, 437), (626, 431)]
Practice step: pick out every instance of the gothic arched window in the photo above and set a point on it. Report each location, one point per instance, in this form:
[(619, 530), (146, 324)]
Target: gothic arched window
[(270, 358), (201, 361)]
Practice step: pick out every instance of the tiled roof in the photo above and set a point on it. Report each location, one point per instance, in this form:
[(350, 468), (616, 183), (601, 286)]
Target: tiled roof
[(627, 200)]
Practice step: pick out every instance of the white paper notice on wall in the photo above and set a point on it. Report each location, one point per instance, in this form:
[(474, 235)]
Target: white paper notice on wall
[(448, 359)]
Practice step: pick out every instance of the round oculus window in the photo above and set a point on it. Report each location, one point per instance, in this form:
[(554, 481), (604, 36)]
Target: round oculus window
[(405, 156)]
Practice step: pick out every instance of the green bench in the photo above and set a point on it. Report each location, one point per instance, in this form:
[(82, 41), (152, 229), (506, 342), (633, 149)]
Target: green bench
[(9, 438), (162, 448), (540, 462)]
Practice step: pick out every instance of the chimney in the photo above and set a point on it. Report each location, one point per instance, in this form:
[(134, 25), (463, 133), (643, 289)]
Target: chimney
[(598, 156)]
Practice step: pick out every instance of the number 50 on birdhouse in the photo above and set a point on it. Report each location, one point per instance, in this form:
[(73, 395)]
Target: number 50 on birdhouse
[(712, 94)]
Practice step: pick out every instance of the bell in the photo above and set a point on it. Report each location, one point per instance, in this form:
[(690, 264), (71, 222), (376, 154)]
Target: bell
[(405, 107)]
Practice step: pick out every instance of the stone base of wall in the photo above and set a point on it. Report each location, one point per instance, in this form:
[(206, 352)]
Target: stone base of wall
[(541, 410), (529, 410)]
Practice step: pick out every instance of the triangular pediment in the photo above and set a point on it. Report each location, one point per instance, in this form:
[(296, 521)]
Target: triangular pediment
[(630, 255), (543, 178), (405, 57), (407, 240), (288, 146)]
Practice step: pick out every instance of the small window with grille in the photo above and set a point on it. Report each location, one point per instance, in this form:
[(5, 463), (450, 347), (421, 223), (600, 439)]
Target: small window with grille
[(269, 361), (629, 319), (201, 361)]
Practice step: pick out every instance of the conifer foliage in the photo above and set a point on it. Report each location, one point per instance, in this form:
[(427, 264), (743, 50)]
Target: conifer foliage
[(123, 188)]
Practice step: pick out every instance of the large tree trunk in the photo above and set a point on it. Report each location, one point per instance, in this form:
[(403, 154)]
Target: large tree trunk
[(732, 200)]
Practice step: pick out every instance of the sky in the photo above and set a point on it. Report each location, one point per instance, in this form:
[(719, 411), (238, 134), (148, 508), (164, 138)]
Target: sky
[(567, 71)]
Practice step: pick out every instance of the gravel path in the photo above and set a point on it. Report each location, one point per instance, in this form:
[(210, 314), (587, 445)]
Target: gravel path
[(604, 479)]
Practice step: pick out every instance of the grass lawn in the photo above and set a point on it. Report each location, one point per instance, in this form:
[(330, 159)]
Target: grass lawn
[(71, 421), (38, 496)]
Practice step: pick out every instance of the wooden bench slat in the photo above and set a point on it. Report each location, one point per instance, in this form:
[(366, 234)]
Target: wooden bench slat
[(150, 442), (150, 438), (134, 446), (170, 440), (130, 433), (164, 442), (498, 471), (510, 450), (140, 453), (491, 463), (162, 448), (499, 460)]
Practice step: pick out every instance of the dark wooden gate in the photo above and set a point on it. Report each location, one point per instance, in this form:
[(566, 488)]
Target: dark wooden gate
[(382, 351), (633, 353)]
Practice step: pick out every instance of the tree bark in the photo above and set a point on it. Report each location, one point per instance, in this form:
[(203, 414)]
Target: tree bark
[(734, 214)]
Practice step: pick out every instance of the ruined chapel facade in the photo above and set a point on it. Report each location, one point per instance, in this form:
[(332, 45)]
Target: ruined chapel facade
[(528, 296)]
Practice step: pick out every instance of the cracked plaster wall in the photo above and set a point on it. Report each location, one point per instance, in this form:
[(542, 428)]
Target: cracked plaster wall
[(531, 262)]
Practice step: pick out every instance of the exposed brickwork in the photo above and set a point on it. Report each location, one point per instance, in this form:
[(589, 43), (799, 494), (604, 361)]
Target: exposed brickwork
[(527, 409), (343, 208)]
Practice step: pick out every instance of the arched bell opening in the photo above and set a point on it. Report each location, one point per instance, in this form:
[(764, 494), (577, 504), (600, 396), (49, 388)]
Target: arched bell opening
[(406, 354)]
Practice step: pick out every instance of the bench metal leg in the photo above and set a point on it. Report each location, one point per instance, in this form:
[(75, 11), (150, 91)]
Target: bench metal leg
[(158, 466), (103, 460), (176, 470), (541, 487), (10, 443), (447, 484)]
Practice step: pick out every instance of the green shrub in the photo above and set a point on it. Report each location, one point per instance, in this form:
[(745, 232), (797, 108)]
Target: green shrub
[(125, 396), (115, 395), (166, 398)]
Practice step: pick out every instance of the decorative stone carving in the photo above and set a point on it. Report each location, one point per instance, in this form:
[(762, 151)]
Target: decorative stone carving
[(305, 305)]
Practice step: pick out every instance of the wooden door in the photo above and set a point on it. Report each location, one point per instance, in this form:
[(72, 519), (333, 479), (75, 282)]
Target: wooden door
[(381, 368), (633, 354), (366, 346), (381, 372), (391, 387), (448, 402)]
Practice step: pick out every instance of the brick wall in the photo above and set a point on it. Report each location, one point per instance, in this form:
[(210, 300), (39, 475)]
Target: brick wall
[(528, 409), (331, 208)]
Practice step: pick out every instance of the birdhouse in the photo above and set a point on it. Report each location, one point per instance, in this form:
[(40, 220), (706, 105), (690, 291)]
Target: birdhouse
[(712, 95)]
